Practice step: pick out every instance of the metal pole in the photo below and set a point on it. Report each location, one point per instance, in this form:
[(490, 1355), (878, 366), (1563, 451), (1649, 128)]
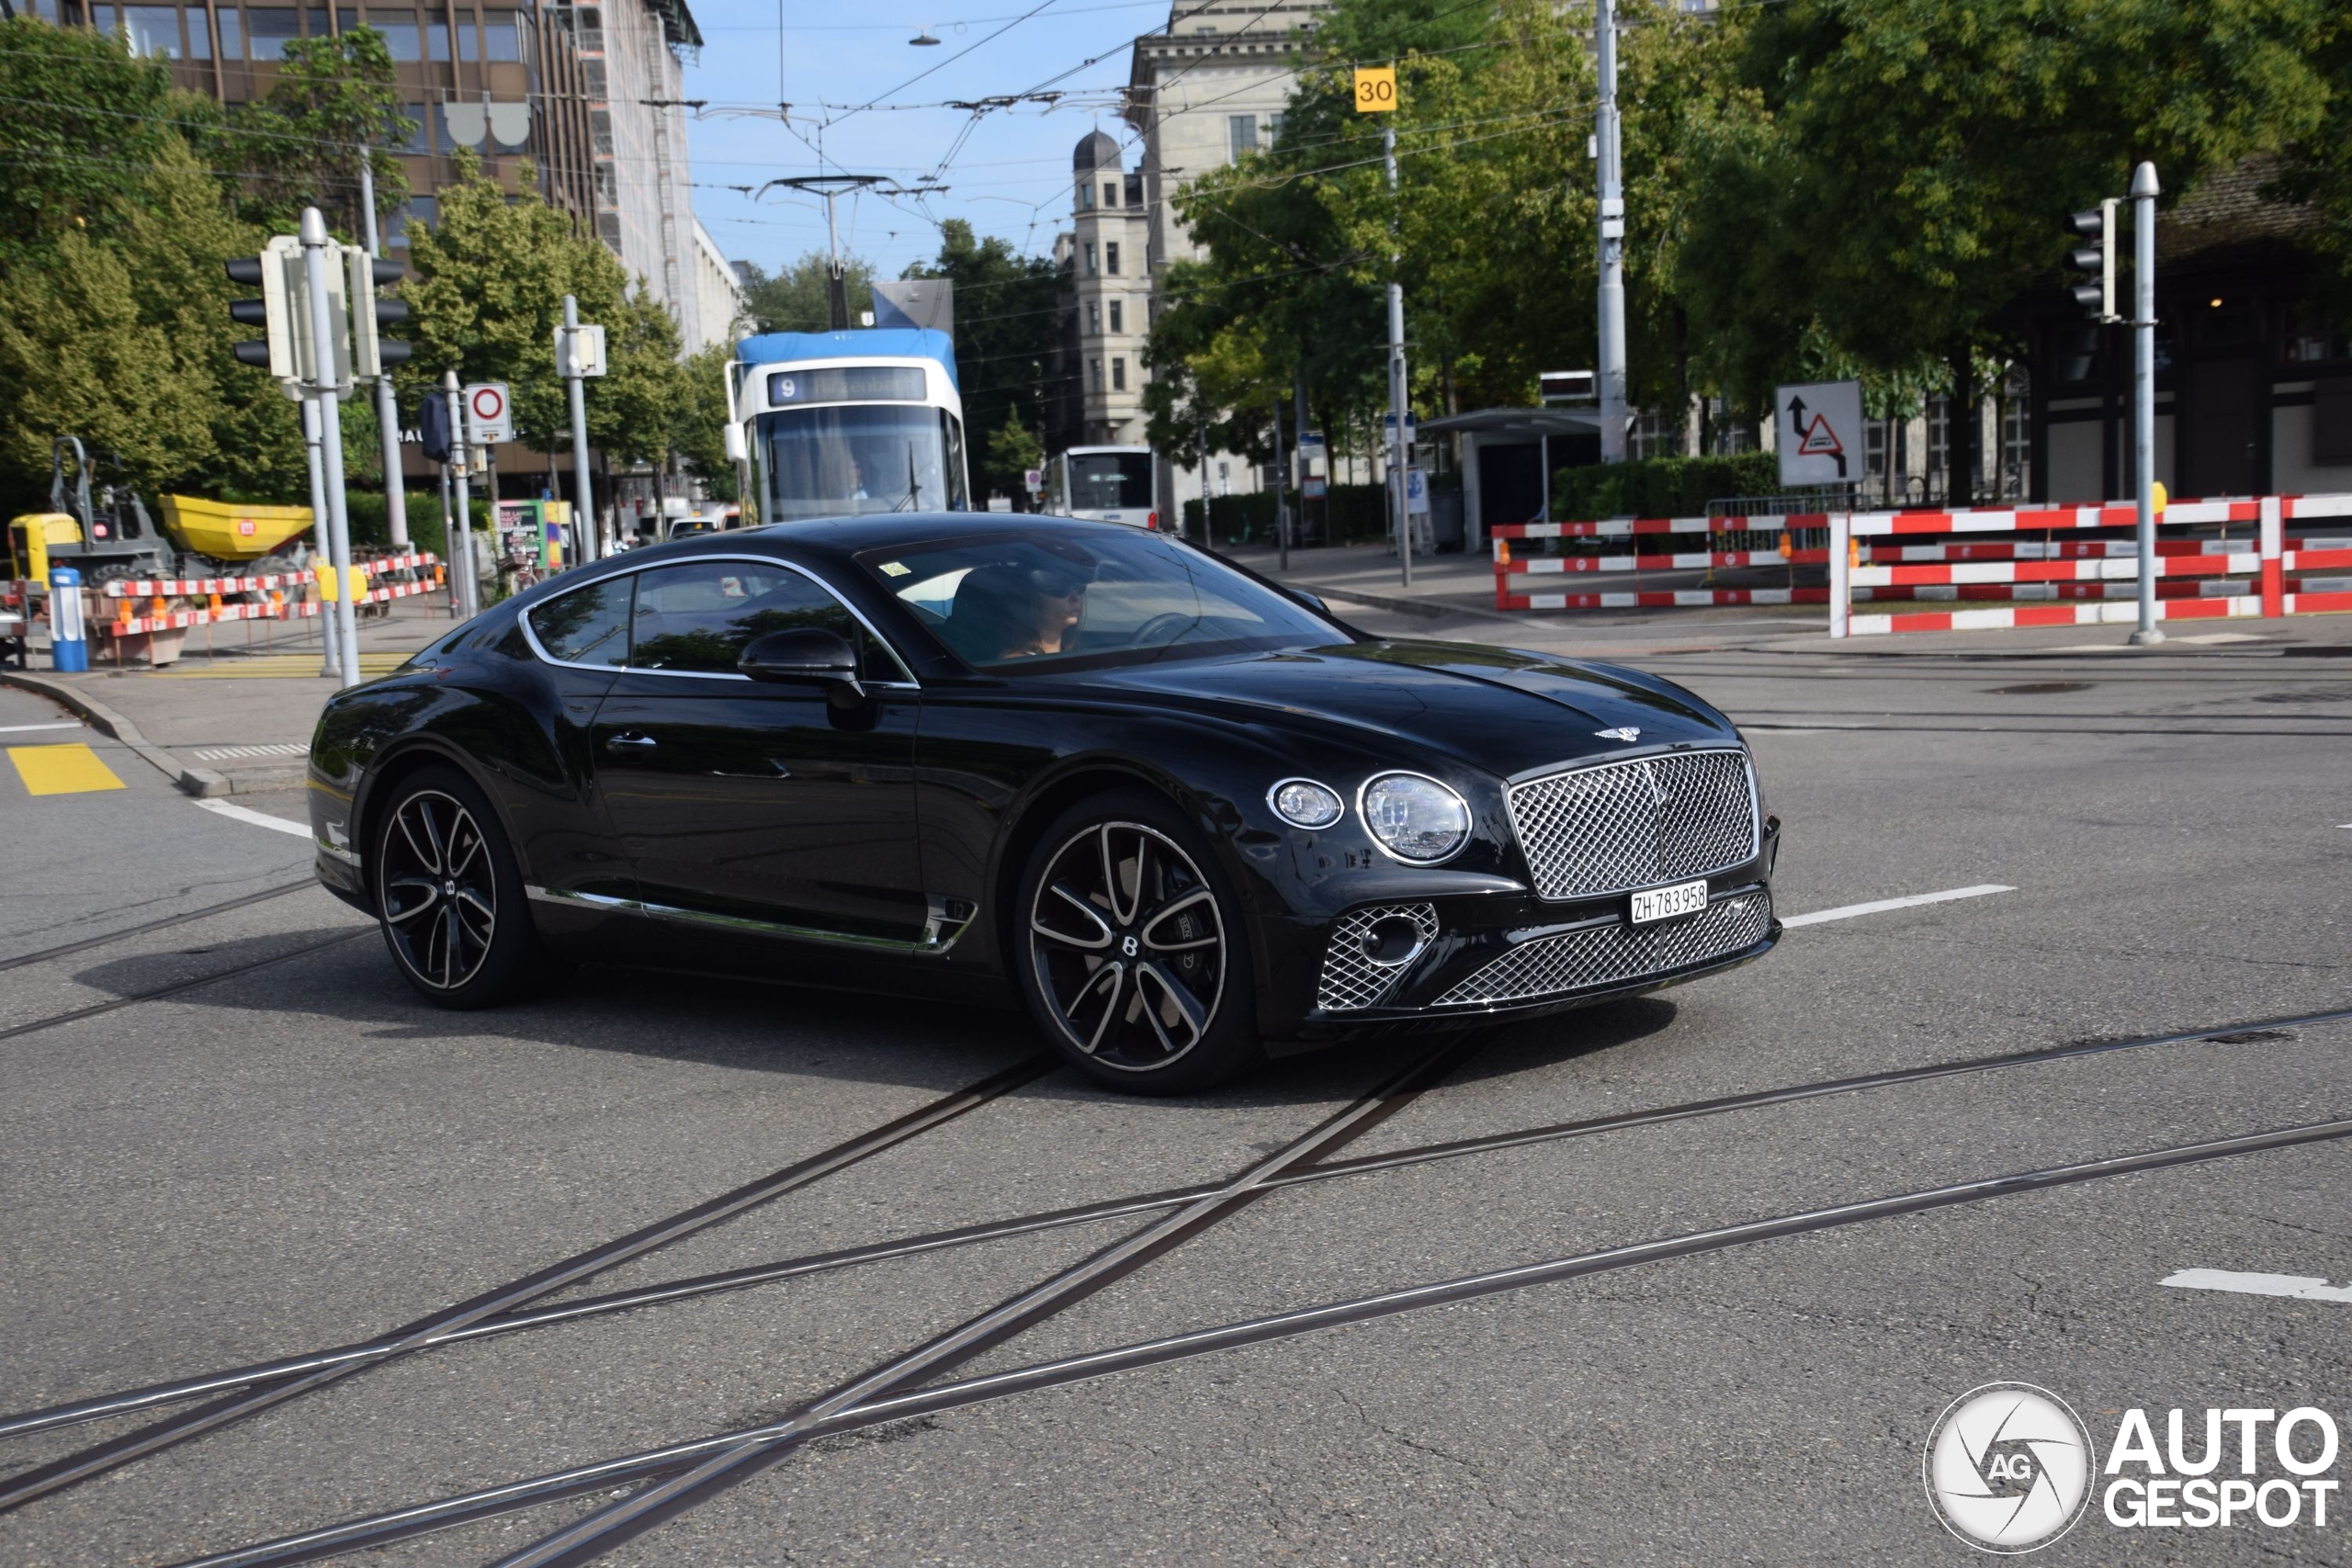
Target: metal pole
[(461, 544), (583, 501), (836, 288), (323, 345), (387, 409), (449, 532), (1612, 246), (1397, 370), (1281, 499), (330, 665), (1299, 445), (1200, 445), (2143, 392)]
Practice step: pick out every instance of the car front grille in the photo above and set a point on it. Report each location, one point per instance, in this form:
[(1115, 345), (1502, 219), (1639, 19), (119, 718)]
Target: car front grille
[(1605, 955), (1350, 979), (1624, 825)]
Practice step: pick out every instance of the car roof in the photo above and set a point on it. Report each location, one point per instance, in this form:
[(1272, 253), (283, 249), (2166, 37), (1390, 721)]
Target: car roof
[(852, 535)]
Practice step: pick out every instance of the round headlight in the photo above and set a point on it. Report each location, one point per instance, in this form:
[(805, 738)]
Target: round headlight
[(1415, 818), (1302, 803)]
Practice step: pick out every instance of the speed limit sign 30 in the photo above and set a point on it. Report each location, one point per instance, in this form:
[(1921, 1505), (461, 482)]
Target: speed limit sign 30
[(1376, 89), (490, 416)]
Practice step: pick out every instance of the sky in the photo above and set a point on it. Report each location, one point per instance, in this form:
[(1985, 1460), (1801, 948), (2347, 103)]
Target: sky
[(1008, 173)]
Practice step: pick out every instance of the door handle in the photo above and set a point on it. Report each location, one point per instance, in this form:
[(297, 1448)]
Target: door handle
[(625, 743)]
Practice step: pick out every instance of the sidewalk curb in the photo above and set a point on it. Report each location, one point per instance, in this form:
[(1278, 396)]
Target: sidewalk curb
[(1434, 609), (193, 780)]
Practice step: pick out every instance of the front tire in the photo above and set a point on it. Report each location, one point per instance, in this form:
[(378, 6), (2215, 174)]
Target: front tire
[(450, 896), (1130, 949)]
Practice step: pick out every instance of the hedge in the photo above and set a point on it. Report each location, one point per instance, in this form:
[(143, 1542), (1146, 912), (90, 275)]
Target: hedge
[(1345, 514), (1661, 486)]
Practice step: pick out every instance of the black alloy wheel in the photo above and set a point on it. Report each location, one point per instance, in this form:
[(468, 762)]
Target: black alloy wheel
[(1132, 959), (448, 896)]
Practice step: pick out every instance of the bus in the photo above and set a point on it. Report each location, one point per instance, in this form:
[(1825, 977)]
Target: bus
[(834, 425), (1104, 484)]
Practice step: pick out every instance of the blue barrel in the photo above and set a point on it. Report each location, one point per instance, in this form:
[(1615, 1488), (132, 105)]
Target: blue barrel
[(69, 646)]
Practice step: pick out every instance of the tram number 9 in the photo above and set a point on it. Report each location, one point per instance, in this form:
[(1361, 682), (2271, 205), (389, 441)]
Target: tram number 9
[(1376, 90)]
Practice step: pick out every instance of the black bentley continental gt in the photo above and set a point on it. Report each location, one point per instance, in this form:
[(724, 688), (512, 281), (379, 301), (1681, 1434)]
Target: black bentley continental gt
[(1184, 816)]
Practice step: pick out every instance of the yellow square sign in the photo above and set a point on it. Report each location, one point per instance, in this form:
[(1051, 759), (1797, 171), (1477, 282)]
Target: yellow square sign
[(1376, 89)]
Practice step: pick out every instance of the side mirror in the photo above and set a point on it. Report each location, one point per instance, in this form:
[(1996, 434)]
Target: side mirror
[(804, 654), (734, 439)]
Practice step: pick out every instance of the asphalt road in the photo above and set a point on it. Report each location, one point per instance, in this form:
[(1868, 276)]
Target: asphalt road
[(301, 1155)]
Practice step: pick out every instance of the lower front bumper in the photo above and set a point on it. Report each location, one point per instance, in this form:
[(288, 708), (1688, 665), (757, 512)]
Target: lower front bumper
[(1472, 976)]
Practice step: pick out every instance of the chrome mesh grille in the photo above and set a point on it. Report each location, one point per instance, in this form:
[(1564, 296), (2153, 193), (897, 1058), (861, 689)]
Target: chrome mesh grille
[(1573, 961), (1349, 978), (1625, 825)]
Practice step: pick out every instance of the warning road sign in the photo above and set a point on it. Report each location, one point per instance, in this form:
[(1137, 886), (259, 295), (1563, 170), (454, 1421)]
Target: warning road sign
[(489, 415), (1819, 433)]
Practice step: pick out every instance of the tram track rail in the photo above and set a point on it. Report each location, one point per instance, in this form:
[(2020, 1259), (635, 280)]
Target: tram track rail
[(668, 1475), (130, 1401), (251, 1398), (104, 939), (181, 987)]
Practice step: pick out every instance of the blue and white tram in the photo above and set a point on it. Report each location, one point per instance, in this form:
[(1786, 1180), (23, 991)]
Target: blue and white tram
[(837, 424)]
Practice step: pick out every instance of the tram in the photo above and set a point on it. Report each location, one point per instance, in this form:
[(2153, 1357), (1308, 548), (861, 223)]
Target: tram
[(1104, 484), (838, 423)]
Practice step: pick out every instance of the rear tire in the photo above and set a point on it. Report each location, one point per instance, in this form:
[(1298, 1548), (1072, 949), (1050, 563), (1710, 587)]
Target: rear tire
[(1130, 950), (450, 896)]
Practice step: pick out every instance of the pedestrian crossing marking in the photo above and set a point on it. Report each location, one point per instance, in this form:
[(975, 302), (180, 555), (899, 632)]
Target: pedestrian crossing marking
[(61, 769)]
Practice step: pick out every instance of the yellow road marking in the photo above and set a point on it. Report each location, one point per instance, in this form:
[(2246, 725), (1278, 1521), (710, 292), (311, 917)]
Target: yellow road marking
[(61, 769), (280, 666)]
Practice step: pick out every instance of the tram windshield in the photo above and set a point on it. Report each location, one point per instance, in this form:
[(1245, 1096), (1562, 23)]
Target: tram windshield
[(860, 457)]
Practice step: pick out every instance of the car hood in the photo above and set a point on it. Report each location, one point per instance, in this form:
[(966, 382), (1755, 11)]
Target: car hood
[(1506, 710)]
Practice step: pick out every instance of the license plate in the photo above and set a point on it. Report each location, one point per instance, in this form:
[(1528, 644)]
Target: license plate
[(1668, 903)]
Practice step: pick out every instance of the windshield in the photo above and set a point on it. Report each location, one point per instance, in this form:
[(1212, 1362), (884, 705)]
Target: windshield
[(1016, 601), (1105, 481), (833, 462)]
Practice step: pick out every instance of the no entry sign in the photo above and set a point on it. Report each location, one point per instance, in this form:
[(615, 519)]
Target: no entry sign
[(489, 415)]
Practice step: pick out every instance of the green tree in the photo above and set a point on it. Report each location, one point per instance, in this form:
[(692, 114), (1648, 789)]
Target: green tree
[(1006, 316), (795, 298), (85, 121), (700, 439), (486, 296), (1013, 449), (1908, 163), (299, 145)]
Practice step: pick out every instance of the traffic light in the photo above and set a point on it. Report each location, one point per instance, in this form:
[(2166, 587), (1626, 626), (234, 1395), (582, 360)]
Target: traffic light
[(278, 271), (372, 354), (2097, 260)]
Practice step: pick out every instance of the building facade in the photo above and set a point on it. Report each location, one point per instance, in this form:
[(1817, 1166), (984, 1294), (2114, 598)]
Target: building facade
[(722, 310), (588, 96), (1109, 293)]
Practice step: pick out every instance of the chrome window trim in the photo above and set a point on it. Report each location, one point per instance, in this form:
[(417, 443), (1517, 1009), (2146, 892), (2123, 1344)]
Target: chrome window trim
[(531, 634), (1273, 794), (1618, 760), (1469, 832)]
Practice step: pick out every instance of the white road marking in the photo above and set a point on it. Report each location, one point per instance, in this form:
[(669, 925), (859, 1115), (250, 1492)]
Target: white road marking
[(281, 749), (258, 818), (2297, 1286), (20, 728), (1848, 912)]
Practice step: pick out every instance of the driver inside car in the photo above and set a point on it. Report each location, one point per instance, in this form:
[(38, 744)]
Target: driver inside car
[(1009, 610)]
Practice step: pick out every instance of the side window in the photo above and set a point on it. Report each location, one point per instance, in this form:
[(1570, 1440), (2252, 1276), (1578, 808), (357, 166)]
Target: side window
[(589, 625), (698, 616)]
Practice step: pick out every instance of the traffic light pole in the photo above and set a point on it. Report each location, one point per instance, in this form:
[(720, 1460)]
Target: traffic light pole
[(1613, 244), (2143, 392), (585, 542), (1397, 475), (323, 336), (388, 413), (461, 544), (331, 663)]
